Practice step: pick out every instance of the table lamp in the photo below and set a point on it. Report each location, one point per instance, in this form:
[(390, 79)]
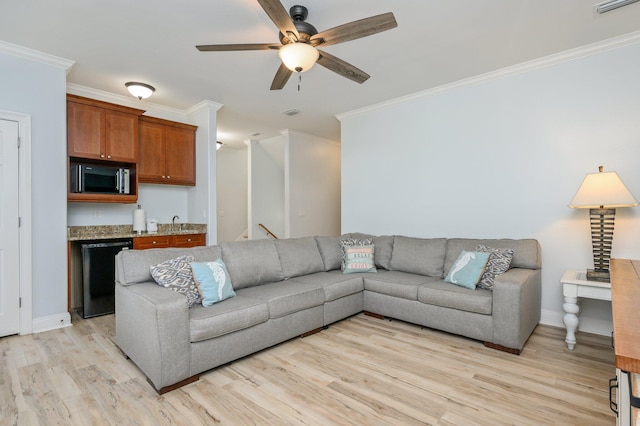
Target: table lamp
[(601, 193)]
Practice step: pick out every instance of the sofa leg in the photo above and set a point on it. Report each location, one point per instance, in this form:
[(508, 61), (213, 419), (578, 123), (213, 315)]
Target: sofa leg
[(502, 348), (174, 386), (372, 314), (314, 331)]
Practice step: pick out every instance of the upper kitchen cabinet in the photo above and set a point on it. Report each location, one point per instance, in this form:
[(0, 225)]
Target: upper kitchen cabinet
[(102, 131), (167, 152)]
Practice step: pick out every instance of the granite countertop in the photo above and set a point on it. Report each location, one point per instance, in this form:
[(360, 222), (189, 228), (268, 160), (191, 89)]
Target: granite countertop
[(108, 232)]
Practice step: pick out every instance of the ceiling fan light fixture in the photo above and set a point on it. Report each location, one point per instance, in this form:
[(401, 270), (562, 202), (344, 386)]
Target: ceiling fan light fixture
[(299, 57), (140, 90)]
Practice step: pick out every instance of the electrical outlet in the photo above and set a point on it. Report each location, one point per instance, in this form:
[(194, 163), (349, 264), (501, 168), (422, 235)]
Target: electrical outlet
[(221, 213)]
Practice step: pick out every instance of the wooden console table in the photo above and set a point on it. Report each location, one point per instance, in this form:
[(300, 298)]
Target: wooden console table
[(625, 299)]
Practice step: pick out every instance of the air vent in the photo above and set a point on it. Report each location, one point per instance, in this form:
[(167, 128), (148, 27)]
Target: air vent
[(294, 111), (608, 6)]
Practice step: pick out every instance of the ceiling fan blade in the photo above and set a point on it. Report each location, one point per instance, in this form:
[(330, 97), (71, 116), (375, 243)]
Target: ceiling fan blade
[(280, 17), (343, 68), (235, 47), (356, 29), (281, 78)]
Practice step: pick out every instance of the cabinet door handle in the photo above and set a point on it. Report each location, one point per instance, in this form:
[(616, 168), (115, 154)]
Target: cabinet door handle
[(101, 155), (108, 156), (164, 177), (168, 177), (154, 242), (189, 239), (613, 384)]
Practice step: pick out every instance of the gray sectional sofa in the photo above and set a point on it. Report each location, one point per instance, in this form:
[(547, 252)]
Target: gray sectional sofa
[(293, 287)]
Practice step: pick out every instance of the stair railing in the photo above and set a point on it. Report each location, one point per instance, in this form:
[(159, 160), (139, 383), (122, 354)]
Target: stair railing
[(268, 231)]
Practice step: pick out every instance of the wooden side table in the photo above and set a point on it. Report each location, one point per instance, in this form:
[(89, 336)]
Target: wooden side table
[(575, 285)]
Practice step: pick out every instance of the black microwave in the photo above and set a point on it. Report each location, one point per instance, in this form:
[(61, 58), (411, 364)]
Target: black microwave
[(99, 179)]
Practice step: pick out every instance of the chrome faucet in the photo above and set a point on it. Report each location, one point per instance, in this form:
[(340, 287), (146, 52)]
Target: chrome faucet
[(173, 221)]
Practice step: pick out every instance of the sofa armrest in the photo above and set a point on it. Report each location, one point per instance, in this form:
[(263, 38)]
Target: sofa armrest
[(516, 306), (152, 328)]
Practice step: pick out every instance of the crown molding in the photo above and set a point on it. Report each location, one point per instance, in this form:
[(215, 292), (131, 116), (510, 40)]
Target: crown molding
[(35, 55), (535, 64), (204, 104), (150, 107)]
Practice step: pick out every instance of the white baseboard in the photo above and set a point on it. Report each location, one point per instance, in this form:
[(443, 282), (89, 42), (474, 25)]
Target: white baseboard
[(51, 322), (587, 325)]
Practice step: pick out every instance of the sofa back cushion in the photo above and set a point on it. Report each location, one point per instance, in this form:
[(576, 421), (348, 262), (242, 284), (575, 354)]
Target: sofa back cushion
[(252, 262), (299, 256), (133, 266), (383, 248), (330, 251), (423, 256), (526, 252)]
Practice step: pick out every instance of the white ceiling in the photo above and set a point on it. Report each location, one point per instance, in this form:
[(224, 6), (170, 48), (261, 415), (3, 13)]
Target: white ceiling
[(436, 42)]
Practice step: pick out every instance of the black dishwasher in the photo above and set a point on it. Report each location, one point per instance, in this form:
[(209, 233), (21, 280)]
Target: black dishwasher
[(98, 276)]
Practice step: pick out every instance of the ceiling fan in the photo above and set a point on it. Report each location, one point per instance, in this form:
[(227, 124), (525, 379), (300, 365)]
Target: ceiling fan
[(299, 41)]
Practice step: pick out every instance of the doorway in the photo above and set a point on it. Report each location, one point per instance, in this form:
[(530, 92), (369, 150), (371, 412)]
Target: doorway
[(15, 224)]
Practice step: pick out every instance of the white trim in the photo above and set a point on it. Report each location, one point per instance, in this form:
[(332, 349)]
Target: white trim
[(88, 92), (52, 322), (215, 106), (24, 210), (547, 61), (35, 55), (587, 325)]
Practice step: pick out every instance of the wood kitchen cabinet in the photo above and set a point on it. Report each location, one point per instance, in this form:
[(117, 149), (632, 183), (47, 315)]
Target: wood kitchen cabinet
[(163, 241), (99, 130), (167, 152)]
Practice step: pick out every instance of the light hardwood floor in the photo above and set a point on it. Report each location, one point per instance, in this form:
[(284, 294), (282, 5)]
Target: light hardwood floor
[(360, 371)]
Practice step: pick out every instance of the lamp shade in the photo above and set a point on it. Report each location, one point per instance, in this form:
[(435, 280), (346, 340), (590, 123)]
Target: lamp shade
[(299, 56), (602, 190), (140, 90)]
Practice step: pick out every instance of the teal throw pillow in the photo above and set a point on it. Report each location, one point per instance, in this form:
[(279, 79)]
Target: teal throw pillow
[(359, 259), (467, 269), (213, 281)]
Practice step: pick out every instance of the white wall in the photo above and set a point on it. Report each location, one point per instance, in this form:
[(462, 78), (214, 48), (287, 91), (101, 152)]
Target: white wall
[(160, 202), (232, 193), (38, 89), (312, 186), (502, 158), (202, 198), (266, 187)]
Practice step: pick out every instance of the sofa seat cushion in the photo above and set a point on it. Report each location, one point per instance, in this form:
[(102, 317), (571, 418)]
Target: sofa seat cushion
[(441, 293), (335, 283), (286, 297), (225, 317), (395, 283)]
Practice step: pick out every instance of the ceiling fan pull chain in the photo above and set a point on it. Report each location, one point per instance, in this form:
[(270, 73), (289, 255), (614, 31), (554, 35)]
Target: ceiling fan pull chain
[(299, 80)]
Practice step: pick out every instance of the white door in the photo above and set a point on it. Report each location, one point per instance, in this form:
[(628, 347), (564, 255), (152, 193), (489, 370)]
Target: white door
[(9, 230)]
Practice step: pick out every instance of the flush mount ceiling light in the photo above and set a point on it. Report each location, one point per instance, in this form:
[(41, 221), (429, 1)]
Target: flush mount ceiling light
[(299, 57), (140, 90), (608, 6)]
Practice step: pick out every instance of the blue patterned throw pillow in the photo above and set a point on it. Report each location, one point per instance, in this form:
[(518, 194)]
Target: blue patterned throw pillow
[(176, 274), (467, 269), (213, 281), (499, 263)]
